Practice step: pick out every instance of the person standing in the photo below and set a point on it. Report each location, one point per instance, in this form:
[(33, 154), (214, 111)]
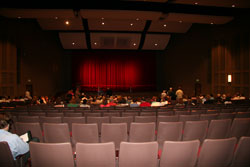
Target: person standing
[(179, 95)]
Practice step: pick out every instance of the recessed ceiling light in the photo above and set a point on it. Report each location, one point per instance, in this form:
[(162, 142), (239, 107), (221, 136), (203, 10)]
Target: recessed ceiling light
[(165, 25), (156, 44), (131, 24), (73, 43), (56, 18), (196, 3), (137, 19), (134, 44), (180, 21), (233, 6), (19, 17), (95, 43), (102, 18), (67, 22), (211, 23), (102, 23)]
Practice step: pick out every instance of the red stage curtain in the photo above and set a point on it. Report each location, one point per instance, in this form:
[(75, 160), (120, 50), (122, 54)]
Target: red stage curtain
[(115, 72)]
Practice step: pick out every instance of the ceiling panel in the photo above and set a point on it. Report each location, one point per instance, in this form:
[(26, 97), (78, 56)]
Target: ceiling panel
[(38, 13), (115, 40), (171, 27), (156, 41), (120, 14), (218, 3), (195, 18), (60, 24), (73, 40), (116, 25)]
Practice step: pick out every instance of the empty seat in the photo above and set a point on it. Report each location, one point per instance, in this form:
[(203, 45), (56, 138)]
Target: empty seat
[(84, 133), (241, 155), (198, 111), (243, 115), (51, 154), (164, 113), (70, 120), (195, 130), (37, 114), (127, 120), (216, 152), (34, 128), (50, 120), (28, 119), (116, 132), (127, 114), (208, 117), (172, 118), (179, 153), (182, 112), (219, 129), (56, 132), (138, 154), (144, 119), (148, 114), (87, 114), (95, 154), (68, 114), (142, 132), (226, 116), (240, 127), (99, 121), (169, 131), (185, 118), (55, 114), (227, 110)]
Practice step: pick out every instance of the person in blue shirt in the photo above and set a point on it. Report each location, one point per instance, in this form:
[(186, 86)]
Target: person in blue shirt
[(16, 144)]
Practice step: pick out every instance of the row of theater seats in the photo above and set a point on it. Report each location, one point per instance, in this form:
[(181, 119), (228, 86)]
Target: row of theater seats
[(211, 153), (136, 132)]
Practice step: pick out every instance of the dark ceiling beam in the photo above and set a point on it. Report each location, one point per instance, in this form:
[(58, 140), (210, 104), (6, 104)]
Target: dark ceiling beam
[(139, 6), (143, 35), (87, 33)]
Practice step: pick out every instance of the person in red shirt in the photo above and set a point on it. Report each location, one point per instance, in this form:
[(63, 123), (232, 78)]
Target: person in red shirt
[(145, 103)]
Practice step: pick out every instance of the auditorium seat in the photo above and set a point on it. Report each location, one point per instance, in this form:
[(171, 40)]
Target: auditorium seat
[(241, 155), (226, 116), (169, 131), (161, 113), (145, 119), (179, 153), (198, 111), (147, 113), (184, 118), (142, 132), (216, 152), (243, 115), (116, 132), (70, 120), (51, 154), (67, 114), (37, 114), (172, 118), (92, 114), (127, 114), (240, 127), (127, 120), (138, 154), (195, 130), (6, 157), (208, 117), (219, 129), (95, 154), (111, 114), (84, 133), (99, 121), (56, 114), (34, 128), (56, 133), (227, 110), (29, 119)]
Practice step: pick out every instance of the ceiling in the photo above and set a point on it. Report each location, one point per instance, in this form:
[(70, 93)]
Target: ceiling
[(128, 24)]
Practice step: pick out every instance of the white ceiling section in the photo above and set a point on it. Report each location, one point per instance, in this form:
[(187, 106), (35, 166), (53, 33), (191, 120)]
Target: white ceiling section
[(129, 41), (38, 13), (116, 25), (120, 14), (171, 27), (156, 41), (60, 24), (73, 40), (195, 18), (218, 3)]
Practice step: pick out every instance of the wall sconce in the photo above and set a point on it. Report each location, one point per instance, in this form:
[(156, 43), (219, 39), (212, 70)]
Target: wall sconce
[(229, 78)]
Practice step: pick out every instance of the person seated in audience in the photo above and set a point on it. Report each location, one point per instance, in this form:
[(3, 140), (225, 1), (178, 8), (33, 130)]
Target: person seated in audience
[(134, 103), (163, 94), (145, 103), (84, 104), (159, 103), (16, 144)]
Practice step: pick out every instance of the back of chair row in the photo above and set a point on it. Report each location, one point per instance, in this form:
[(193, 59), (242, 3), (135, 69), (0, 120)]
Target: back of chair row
[(214, 152)]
